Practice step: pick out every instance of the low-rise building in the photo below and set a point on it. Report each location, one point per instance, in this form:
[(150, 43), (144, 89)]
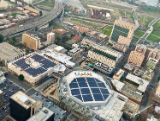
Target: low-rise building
[(131, 86), (122, 30), (105, 55), (58, 57), (119, 75), (75, 53), (137, 56), (34, 67), (9, 53), (43, 115)]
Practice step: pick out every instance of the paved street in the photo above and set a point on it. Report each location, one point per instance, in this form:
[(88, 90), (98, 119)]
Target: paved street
[(8, 89)]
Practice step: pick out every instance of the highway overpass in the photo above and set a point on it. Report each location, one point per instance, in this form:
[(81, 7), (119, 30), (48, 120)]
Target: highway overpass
[(36, 22)]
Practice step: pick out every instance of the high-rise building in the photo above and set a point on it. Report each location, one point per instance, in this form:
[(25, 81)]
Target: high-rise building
[(22, 107), (50, 37), (43, 115), (31, 41)]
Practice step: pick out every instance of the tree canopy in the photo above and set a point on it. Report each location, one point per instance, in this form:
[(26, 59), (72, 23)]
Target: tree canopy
[(1, 38), (21, 77)]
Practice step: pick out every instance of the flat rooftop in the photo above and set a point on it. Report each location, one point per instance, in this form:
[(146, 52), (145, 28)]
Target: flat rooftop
[(9, 52), (34, 65), (57, 56), (43, 115), (23, 99)]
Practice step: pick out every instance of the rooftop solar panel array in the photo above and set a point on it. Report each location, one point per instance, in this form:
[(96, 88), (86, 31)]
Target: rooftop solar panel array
[(45, 65), (89, 89)]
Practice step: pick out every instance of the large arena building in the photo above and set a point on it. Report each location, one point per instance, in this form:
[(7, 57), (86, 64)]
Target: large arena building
[(34, 67), (89, 94)]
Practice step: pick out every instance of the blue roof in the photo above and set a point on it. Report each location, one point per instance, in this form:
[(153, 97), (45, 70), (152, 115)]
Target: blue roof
[(89, 89), (46, 64)]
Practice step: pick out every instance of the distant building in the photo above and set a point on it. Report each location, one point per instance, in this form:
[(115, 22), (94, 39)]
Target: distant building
[(131, 108), (75, 53), (9, 53), (151, 63), (137, 56), (1, 98), (157, 95), (119, 75), (34, 67), (122, 31), (50, 37), (31, 41), (32, 10), (130, 85), (58, 56), (153, 3), (88, 94), (89, 42), (154, 53), (152, 118), (2, 77), (22, 107), (43, 115), (60, 32), (81, 29), (100, 12), (105, 55)]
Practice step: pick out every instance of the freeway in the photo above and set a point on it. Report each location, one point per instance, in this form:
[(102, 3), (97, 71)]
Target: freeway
[(37, 22)]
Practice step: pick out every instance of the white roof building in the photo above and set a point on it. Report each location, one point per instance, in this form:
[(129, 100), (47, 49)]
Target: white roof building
[(60, 57), (23, 99), (43, 115), (93, 93), (141, 82)]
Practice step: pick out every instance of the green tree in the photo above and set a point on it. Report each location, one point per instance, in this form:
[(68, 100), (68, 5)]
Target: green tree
[(1, 38), (40, 13), (83, 34), (21, 77)]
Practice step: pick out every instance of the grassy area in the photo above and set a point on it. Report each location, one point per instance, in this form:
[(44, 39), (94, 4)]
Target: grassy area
[(126, 14), (154, 38), (92, 25), (107, 30), (48, 3), (138, 33), (155, 35), (144, 21)]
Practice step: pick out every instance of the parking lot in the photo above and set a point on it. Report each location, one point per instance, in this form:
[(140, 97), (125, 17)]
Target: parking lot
[(8, 89)]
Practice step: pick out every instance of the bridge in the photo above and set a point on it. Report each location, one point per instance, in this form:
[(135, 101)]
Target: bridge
[(36, 22)]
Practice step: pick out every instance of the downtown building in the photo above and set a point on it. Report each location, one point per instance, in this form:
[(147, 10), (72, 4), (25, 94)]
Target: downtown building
[(22, 107), (105, 55)]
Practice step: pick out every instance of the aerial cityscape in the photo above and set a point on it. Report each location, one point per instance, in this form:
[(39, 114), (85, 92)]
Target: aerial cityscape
[(79, 60)]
